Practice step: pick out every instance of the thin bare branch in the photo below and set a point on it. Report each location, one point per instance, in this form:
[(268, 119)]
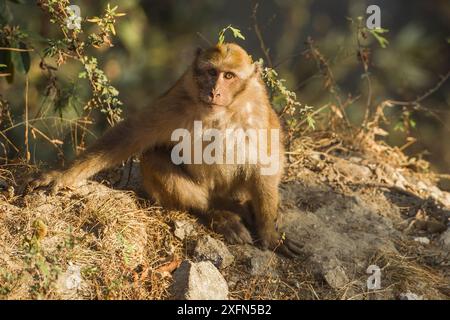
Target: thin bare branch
[(258, 33), (15, 49)]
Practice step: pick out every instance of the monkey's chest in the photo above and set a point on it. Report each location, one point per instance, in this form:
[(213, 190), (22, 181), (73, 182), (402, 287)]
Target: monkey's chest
[(225, 154), (218, 146)]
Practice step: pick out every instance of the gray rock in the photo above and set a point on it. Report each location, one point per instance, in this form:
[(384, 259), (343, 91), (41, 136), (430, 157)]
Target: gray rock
[(183, 229), (446, 199), (210, 249), (336, 277), (355, 171), (331, 270), (259, 262), (198, 281), (422, 240), (410, 296), (70, 283), (445, 239)]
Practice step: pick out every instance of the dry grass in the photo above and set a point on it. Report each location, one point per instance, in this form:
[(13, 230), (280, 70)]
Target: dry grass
[(402, 274), (118, 244), (125, 247)]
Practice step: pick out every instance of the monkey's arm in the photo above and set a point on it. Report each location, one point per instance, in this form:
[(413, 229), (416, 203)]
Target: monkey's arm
[(127, 138)]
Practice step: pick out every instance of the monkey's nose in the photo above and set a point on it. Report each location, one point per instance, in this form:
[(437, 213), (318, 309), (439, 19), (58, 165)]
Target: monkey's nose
[(213, 96)]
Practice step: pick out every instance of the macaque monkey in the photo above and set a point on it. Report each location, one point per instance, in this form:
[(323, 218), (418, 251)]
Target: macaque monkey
[(223, 89)]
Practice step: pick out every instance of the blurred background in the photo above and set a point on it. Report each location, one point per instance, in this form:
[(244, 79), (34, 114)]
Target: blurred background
[(156, 40)]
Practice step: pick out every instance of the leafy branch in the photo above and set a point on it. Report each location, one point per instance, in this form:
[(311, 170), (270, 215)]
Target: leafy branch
[(105, 96), (236, 33)]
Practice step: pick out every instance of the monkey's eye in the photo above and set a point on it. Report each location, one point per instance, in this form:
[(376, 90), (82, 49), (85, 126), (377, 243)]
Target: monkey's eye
[(212, 72), (229, 75)]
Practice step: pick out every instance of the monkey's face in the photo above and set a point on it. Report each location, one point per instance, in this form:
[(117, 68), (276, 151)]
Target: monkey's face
[(221, 74)]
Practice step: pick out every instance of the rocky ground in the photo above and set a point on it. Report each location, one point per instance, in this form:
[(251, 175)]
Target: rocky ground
[(350, 209)]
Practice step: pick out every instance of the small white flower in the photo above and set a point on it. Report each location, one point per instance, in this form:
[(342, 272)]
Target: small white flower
[(74, 19)]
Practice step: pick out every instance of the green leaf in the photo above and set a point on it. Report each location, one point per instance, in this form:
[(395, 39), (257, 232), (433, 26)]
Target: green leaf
[(377, 33), (399, 127), (221, 39), (236, 33), (311, 122)]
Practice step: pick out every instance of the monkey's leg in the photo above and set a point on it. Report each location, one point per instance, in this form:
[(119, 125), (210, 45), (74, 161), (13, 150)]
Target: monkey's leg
[(265, 199), (236, 202), (170, 185), (173, 188)]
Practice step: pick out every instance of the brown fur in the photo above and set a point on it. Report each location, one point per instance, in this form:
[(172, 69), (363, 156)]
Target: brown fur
[(220, 193)]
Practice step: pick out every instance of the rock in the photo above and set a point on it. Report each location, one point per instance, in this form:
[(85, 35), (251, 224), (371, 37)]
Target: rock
[(446, 199), (435, 192), (336, 277), (392, 176), (259, 262), (355, 159), (198, 281), (410, 296), (70, 282), (422, 240), (355, 171), (210, 249), (445, 239), (400, 181), (331, 270), (183, 229), (422, 186)]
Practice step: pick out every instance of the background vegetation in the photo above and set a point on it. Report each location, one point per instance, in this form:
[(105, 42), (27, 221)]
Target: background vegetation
[(76, 83)]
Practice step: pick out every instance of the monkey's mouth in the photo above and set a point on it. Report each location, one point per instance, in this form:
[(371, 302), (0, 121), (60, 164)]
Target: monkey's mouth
[(210, 104)]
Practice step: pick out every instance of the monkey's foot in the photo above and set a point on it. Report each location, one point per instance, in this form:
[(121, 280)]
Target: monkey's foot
[(230, 225), (287, 247)]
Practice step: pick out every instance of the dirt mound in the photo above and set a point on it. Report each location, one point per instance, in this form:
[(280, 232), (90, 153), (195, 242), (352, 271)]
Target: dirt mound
[(94, 242), (350, 211)]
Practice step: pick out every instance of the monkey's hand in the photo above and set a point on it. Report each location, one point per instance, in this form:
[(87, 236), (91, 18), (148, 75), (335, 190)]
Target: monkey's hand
[(277, 242), (54, 180)]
